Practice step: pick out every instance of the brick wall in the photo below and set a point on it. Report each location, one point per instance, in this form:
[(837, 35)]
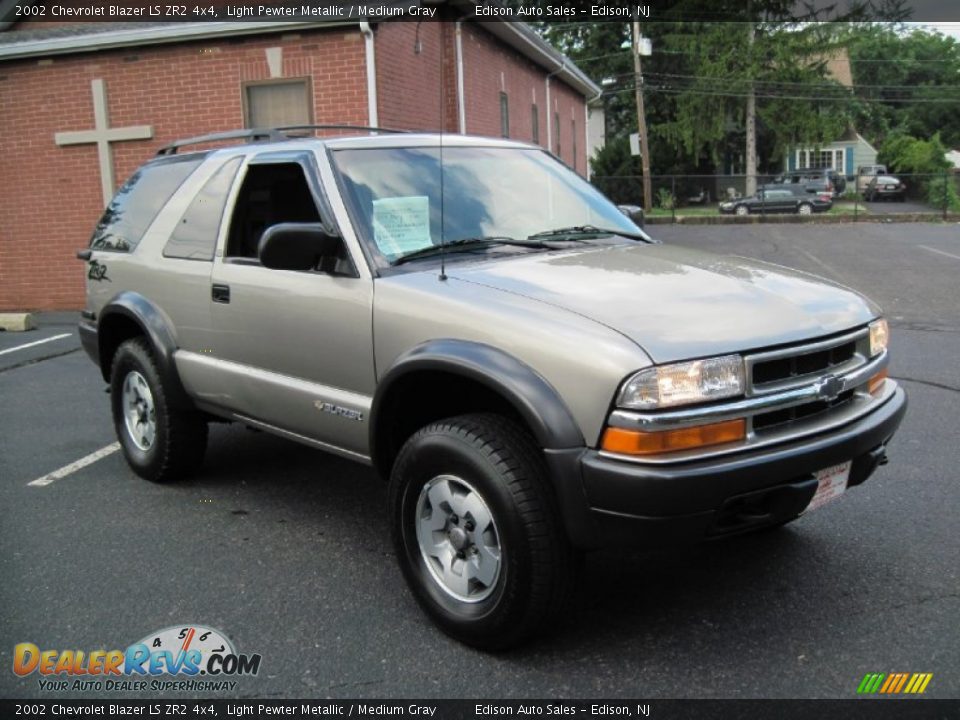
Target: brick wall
[(408, 82), (51, 199), (491, 67)]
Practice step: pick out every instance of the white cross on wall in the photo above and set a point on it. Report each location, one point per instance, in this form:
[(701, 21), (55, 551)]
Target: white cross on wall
[(102, 134)]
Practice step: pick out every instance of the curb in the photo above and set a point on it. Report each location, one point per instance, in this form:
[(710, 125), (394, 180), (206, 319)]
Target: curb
[(798, 219), (17, 322)]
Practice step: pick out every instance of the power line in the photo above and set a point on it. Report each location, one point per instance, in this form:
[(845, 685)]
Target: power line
[(767, 96), (853, 61), (808, 84)]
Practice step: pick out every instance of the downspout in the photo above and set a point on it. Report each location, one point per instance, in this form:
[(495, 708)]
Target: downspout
[(560, 69), (373, 117), (586, 129), (461, 100)]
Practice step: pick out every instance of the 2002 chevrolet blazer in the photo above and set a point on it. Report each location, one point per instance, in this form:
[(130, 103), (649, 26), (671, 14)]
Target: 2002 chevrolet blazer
[(529, 370)]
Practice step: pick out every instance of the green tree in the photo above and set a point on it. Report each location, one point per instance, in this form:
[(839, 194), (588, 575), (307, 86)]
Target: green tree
[(907, 82), (704, 67), (924, 160)]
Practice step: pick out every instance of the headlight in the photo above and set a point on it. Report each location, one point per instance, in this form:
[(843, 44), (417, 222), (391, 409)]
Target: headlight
[(879, 335), (683, 383)]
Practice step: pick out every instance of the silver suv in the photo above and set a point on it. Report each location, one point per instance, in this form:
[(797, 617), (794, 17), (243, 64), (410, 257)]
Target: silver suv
[(530, 372)]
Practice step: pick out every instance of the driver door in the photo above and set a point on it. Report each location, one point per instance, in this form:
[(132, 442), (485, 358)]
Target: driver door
[(291, 351)]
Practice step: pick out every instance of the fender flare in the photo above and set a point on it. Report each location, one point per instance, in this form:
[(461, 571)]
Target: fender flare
[(156, 327), (537, 402)]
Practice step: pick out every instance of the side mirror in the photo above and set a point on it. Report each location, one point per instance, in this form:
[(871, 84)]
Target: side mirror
[(634, 212), (296, 246)]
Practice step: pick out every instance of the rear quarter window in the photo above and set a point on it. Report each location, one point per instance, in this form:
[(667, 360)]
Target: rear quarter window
[(137, 203), (195, 236)]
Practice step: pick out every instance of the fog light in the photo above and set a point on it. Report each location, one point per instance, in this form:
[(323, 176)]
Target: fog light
[(637, 442)]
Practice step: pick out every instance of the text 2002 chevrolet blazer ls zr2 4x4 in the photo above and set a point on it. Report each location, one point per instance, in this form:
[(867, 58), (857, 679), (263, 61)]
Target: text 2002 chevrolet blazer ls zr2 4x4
[(551, 380)]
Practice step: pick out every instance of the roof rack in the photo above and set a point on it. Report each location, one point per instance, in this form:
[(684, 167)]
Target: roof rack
[(366, 128), (254, 135), (265, 135)]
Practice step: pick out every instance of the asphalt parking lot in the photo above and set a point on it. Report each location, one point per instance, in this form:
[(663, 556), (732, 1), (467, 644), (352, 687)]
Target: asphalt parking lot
[(285, 549)]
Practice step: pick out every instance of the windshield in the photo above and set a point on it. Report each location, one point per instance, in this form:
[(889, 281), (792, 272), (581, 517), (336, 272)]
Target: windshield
[(487, 193)]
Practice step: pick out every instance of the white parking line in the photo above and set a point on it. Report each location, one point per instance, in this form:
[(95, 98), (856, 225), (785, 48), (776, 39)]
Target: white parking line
[(940, 252), (74, 466), (35, 342)]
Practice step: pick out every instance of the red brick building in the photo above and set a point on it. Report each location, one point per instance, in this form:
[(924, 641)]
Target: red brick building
[(83, 104)]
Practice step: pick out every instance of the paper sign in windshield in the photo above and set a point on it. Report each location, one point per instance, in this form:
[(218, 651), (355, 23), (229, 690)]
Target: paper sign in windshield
[(401, 224)]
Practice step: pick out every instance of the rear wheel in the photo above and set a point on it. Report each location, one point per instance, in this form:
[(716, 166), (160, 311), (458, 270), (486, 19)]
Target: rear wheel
[(160, 443), (805, 209), (476, 531)]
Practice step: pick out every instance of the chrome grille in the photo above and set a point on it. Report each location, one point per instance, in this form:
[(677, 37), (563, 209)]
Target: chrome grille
[(770, 371), (801, 364), (778, 419)]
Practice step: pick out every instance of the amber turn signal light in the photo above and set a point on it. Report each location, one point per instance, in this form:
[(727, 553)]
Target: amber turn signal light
[(875, 384), (637, 442)]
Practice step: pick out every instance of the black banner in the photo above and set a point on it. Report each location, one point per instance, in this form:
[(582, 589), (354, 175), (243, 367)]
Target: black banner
[(865, 709), (435, 10)]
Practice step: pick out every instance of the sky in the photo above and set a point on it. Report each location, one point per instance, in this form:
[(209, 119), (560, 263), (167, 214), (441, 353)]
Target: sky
[(947, 28)]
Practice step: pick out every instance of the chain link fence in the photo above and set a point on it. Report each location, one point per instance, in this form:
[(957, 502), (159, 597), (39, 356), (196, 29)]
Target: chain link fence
[(678, 197)]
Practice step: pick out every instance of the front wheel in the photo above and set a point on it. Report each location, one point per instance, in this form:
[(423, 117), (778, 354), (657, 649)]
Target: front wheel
[(477, 533), (742, 210), (161, 443)]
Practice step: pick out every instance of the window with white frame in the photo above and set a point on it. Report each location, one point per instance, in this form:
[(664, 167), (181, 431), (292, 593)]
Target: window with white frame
[(818, 159)]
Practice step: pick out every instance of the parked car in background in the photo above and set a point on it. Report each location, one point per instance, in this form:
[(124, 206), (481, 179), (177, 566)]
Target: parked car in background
[(784, 199), (866, 173), (883, 187), (814, 180)]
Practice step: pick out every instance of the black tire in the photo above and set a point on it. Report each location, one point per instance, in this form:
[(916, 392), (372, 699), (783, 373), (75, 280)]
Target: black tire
[(501, 462), (179, 440)]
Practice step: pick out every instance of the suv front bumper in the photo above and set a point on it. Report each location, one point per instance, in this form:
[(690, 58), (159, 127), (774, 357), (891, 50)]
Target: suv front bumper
[(636, 504)]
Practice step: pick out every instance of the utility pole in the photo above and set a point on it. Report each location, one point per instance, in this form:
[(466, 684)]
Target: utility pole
[(641, 119), (751, 119)]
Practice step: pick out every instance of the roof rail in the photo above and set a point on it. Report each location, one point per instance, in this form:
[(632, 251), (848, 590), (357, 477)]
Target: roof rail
[(254, 135), (366, 128), (265, 135)]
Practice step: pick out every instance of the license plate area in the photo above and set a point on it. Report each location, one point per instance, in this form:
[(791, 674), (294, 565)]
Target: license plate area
[(831, 484)]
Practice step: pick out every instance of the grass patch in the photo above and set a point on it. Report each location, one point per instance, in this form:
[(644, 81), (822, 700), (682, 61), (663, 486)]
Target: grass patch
[(840, 207), (692, 210)]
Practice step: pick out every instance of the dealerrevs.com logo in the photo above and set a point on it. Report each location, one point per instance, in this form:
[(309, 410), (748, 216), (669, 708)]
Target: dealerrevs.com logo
[(199, 658)]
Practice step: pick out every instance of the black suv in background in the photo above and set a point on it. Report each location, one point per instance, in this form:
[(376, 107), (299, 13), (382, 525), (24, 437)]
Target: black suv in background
[(817, 181)]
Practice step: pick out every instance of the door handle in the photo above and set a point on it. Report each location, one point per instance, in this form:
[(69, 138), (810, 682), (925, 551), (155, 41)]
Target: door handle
[(220, 293)]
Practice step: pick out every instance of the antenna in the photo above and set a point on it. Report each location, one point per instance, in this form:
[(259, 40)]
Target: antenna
[(443, 239)]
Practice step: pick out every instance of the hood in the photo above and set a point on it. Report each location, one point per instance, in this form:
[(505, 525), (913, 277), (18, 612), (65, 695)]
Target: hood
[(676, 303)]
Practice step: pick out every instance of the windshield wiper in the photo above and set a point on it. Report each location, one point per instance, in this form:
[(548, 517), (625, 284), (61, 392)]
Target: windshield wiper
[(467, 243), (593, 230)]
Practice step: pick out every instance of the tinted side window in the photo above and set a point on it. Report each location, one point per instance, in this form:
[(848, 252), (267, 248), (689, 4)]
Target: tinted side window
[(137, 203), (196, 234)]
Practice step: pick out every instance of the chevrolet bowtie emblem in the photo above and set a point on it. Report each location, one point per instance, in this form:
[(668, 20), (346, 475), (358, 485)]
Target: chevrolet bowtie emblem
[(830, 387)]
